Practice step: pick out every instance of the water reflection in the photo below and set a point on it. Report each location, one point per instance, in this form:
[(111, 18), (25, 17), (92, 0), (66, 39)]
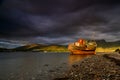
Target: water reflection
[(75, 58), (26, 65)]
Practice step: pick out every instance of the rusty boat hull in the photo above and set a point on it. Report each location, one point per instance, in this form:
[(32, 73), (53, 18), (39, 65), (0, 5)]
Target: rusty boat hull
[(83, 52)]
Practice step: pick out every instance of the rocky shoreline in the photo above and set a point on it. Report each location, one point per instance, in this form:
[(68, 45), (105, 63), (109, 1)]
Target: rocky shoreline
[(96, 67)]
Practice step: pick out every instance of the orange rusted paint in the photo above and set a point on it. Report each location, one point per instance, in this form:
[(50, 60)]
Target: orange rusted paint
[(86, 52), (82, 49)]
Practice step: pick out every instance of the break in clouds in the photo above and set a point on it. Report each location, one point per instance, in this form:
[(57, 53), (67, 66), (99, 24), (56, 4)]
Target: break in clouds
[(59, 21)]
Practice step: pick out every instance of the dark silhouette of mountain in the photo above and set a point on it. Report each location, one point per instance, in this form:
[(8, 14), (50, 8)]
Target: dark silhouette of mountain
[(104, 44), (100, 41), (4, 49), (29, 47)]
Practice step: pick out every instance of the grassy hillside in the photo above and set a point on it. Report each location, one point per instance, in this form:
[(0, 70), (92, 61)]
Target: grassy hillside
[(53, 48), (42, 48), (29, 47), (104, 46)]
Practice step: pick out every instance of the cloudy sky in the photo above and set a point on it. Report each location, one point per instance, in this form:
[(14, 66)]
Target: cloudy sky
[(59, 21)]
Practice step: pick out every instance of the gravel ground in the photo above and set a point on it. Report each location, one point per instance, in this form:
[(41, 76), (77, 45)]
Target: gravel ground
[(97, 67)]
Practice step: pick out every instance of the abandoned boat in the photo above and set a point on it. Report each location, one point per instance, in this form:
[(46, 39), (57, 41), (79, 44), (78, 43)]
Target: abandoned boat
[(83, 47)]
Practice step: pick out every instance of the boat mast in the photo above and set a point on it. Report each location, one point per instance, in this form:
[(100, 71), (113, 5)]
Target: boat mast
[(93, 36)]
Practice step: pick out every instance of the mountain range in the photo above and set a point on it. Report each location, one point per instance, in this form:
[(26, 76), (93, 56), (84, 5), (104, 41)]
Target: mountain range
[(38, 48), (57, 48)]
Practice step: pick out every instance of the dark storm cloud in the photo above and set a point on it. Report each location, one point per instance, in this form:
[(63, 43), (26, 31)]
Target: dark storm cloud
[(47, 7), (57, 19)]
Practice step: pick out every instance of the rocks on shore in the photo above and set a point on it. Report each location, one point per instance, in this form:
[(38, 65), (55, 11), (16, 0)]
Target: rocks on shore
[(117, 50), (97, 67)]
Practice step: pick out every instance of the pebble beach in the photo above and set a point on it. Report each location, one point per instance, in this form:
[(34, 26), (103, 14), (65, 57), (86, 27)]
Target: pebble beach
[(97, 67)]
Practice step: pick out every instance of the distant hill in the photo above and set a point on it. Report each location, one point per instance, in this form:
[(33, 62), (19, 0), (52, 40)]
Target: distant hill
[(4, 49), (40, 47), (103, 46), (29, 47)]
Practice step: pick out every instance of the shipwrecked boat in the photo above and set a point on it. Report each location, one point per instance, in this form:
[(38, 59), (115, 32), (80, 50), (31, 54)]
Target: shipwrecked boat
[(83, 47)]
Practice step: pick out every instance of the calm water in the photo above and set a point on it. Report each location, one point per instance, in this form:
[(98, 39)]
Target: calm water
[(28, 65)]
